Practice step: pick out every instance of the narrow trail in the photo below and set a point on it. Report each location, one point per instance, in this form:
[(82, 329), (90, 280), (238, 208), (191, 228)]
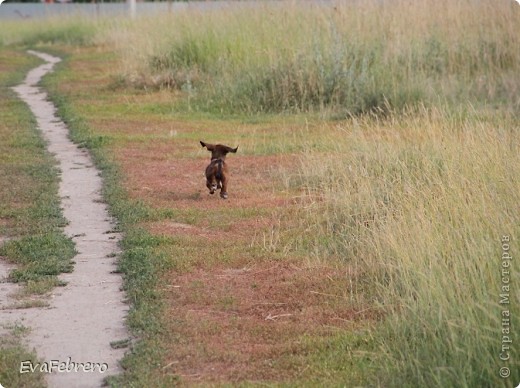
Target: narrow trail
[(88, 314)]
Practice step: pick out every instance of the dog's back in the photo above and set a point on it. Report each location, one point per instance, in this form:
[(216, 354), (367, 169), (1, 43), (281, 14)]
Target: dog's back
[(216, 171), (215, 168)]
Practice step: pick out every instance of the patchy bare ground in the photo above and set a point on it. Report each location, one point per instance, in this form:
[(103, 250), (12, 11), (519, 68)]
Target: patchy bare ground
[(160, 179), (236, 312), (238, 306), (236, 323)]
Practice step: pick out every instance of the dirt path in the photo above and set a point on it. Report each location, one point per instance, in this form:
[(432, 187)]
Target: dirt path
[(87, 314)]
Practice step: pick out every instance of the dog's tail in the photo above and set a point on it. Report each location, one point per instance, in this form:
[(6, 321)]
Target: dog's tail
[(218, 175)]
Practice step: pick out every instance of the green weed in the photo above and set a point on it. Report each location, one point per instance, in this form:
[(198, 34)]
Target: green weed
[(11, 357), (39, 256)]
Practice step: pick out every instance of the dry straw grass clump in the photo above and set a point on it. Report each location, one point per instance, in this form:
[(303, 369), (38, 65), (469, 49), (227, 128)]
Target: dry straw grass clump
[(349, 56)]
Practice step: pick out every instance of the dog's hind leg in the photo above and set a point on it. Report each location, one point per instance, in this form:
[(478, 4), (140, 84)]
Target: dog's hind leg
[(223, 190), (211, 184)]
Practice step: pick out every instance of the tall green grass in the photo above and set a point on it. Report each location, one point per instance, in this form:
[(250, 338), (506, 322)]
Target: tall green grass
[(347, 57), (417, 204)]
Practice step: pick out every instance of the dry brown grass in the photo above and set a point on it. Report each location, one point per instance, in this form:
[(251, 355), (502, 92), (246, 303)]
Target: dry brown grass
[(237, 322)]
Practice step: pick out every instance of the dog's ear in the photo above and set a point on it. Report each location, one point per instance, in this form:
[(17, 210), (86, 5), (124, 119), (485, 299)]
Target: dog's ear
[(229, 149), (210, 147)]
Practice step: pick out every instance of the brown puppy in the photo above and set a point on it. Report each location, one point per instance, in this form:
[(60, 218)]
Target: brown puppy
[(216, 172)]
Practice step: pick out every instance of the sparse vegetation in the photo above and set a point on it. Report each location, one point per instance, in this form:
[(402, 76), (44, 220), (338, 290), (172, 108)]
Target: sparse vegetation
[(393, 132)]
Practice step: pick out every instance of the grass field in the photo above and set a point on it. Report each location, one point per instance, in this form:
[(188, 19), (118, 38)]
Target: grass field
[(371, 198)]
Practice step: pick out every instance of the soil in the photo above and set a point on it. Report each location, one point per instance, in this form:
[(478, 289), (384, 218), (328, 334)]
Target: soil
[(86, 315)]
